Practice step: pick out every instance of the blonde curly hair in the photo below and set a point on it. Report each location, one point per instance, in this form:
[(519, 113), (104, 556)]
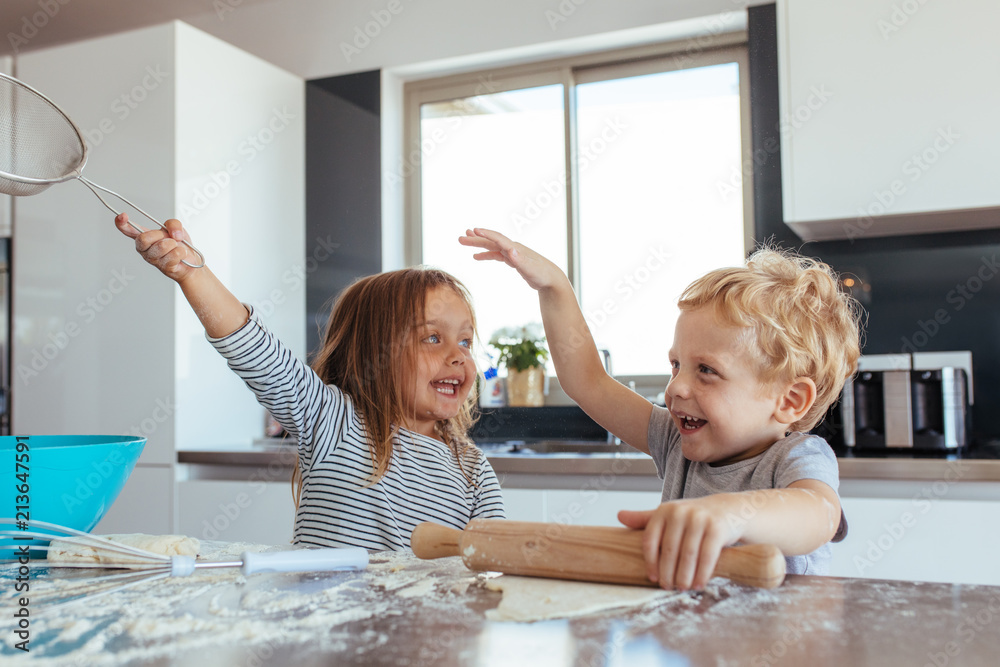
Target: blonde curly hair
[(798, 321)]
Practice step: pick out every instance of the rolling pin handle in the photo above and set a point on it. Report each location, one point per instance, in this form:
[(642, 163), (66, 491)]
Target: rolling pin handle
[(430, 540), (760, 565)]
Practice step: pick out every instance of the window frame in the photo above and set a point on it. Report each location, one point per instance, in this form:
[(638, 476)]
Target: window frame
[(667, 56)]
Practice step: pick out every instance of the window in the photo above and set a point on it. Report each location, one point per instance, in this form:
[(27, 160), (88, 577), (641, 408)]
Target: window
[(625, 173)]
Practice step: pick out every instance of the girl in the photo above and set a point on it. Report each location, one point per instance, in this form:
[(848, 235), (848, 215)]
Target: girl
[(382, 417)]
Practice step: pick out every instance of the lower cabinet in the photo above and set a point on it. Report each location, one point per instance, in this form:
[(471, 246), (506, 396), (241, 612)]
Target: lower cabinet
[(584, 507), (144, 505), (236, 511), (920, 539)]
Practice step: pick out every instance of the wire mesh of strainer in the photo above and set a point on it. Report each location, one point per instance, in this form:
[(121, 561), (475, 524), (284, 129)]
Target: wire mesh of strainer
[(40, 146)]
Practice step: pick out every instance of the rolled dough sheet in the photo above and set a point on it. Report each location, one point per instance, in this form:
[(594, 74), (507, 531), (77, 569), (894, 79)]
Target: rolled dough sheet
[(527, 599), (75, 550)]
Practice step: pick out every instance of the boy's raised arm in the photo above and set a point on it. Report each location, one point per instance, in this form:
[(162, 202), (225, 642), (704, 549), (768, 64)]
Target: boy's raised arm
[(578, 364), (220, 312)]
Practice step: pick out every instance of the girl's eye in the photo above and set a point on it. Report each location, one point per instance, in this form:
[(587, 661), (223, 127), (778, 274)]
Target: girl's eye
[(433, 338), (705, 369), (467, 342)]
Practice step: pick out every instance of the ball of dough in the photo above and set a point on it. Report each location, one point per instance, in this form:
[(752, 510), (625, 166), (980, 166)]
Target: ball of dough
[(79, 550)]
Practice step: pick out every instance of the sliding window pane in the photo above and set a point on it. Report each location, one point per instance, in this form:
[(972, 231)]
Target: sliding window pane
[(659, 206), (494, 161)]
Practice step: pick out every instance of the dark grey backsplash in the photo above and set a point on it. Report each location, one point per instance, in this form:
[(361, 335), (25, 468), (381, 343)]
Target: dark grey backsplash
[(343, 190)]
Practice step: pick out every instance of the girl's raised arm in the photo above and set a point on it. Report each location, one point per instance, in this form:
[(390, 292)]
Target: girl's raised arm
[(220, 312), (578, 364)]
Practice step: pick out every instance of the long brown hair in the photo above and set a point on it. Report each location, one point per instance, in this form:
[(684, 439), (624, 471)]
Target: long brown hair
[(369, 342)]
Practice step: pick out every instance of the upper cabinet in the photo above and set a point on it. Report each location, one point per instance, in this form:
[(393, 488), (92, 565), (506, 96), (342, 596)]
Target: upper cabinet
[(888, 116)]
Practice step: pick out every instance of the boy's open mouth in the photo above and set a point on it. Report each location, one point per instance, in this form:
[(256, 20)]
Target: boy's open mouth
[(447, 386), (690, 424)]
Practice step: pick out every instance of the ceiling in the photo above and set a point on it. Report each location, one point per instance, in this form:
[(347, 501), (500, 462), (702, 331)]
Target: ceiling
[(27, 25)]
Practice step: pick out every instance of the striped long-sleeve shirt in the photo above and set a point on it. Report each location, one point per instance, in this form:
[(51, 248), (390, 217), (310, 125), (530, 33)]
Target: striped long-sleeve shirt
[(423, 483)]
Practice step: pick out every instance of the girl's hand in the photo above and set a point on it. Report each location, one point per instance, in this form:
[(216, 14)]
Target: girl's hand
[(161, 248), (683, 539), (536, 270)]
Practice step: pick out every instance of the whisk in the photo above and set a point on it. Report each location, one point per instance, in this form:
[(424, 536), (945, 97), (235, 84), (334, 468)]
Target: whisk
[(144, 566)]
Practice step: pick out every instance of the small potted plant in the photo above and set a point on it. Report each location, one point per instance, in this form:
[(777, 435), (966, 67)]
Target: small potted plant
[(522, 351)]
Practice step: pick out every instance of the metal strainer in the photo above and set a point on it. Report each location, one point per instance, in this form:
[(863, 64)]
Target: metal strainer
[(41, 146)]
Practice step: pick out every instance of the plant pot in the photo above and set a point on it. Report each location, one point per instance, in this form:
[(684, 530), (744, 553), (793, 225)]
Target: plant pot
[(526, 388)]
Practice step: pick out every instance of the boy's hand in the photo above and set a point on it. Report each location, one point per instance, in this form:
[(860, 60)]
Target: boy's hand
[(161, 249), (536, 270), (683, 539)]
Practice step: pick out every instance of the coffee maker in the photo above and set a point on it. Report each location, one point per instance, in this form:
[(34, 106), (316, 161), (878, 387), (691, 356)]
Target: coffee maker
[(917, 401)]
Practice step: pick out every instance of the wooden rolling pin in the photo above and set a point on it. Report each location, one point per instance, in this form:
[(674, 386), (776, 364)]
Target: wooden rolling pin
[(583, 553)]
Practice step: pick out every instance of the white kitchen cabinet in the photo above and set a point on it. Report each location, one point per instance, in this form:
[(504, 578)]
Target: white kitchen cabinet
[(185, 126), (922, 538), (524, 504), (887, 116), (578, 507), (145, 505), (236, 511)]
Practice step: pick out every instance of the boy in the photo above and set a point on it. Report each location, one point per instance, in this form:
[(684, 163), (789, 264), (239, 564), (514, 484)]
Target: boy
[(759, 354)]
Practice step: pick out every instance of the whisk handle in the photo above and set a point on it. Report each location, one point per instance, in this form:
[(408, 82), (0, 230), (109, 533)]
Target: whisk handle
[(306, 560)]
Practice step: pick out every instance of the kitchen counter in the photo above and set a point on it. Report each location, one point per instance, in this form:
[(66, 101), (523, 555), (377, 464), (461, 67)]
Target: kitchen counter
[(402, 611), (626, 463)]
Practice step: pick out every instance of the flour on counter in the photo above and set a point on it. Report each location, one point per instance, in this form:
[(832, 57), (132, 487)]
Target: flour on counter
[(221, 607)]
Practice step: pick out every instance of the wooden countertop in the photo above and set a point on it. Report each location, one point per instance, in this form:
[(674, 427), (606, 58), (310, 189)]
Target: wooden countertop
[(403, 611)]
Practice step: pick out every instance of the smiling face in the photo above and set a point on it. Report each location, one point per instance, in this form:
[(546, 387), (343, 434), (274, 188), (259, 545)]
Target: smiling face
[(442, 372), (721, 409)]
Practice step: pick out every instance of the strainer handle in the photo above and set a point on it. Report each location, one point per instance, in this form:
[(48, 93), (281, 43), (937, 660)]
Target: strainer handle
[(94, 187)]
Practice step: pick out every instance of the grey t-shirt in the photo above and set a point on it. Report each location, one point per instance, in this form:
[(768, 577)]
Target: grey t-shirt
[(797, 456)]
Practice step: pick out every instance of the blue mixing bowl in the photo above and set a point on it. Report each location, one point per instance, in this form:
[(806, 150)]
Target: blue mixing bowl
[(68, 480)]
